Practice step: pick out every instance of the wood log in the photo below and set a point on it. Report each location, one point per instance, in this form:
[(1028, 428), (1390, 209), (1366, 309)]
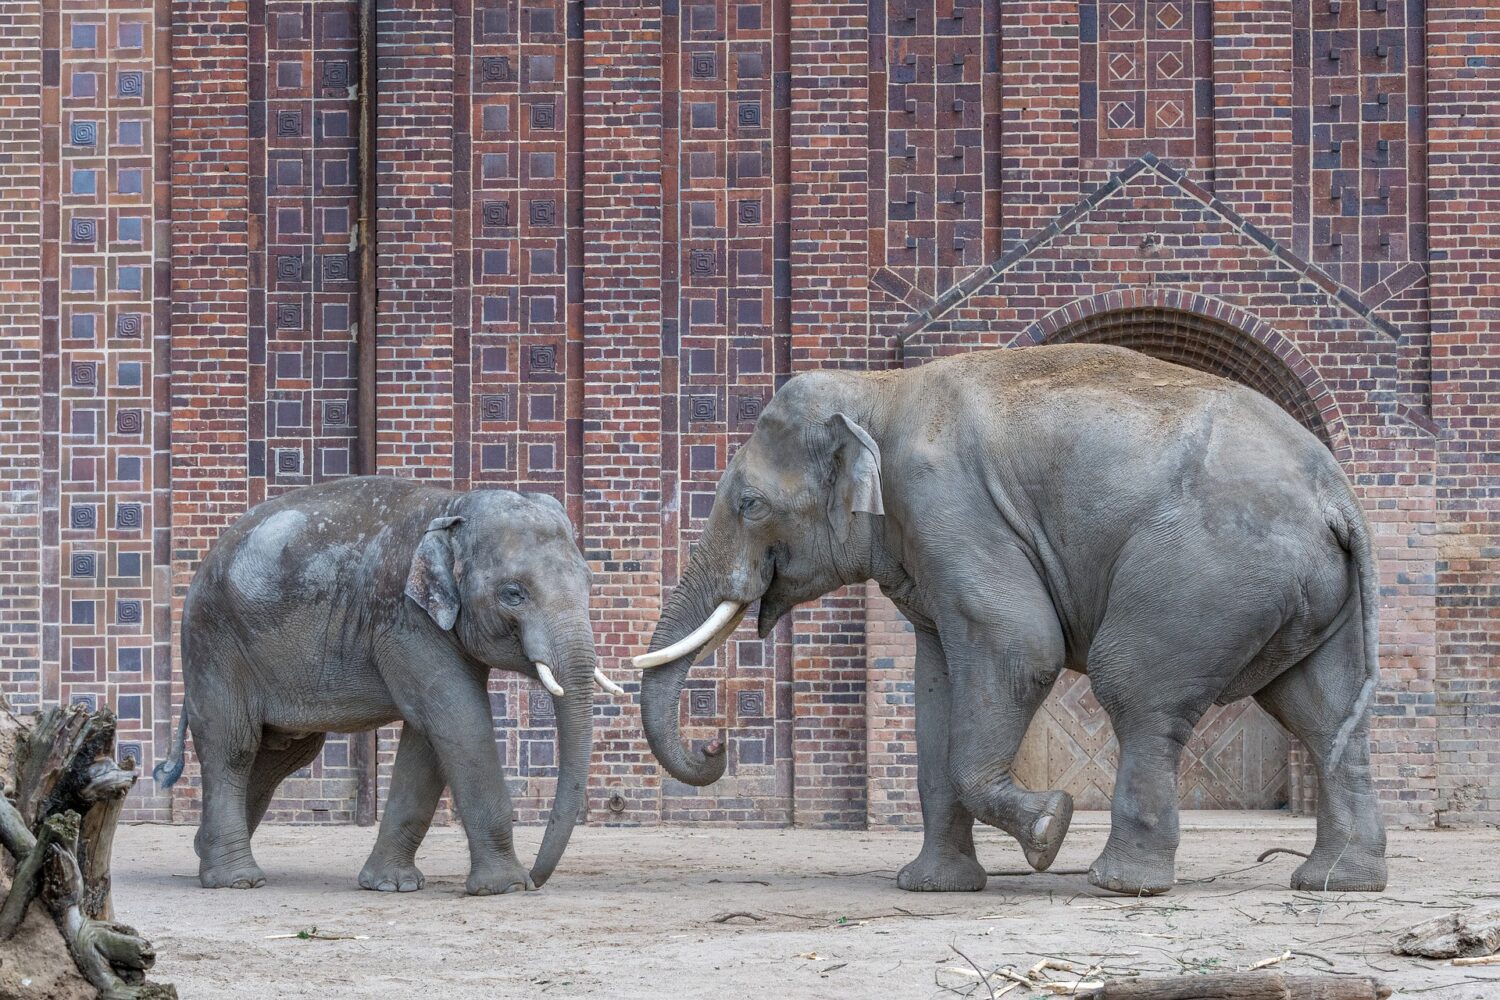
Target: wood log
[(68, 792), (1243, 986), (1471, 933)]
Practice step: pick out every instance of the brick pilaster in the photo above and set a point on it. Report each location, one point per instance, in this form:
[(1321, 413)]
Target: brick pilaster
[(622, 422), (1463, 171)]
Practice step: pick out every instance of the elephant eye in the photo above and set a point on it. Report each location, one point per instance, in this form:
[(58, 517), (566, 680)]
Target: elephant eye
[(512, 594), (753, 507)]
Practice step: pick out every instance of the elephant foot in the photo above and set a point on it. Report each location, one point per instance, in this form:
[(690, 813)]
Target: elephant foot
[(383, 875), (498, 879), (1045, 838), (1116, 873), (1355, 871), (942, 870), (231, 876)]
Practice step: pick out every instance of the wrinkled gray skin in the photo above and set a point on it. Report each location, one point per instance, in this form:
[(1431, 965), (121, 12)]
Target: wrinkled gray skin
[(344, 606), (1174, 535)]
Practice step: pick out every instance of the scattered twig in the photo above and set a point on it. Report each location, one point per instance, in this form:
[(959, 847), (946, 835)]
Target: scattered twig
[(1279, 850), (982, 977), (724, 918), (1268, 962), (1018, 872), (1477, 960)]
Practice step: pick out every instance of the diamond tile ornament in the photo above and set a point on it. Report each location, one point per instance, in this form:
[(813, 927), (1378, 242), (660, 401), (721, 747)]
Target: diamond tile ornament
[(1122, 66), (336, 267), (337, 73), (1121, 115), (1122, 16), (542, 358), (496, 213), (1169, 16), (494, 406), (1169, 66), (495, 70), (1169, 114)]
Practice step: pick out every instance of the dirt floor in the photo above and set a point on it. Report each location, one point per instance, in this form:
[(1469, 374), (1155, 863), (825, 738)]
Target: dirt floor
[(642, 913)]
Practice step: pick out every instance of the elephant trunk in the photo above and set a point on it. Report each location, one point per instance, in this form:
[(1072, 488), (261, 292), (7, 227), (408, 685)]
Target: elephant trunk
[(574, 669), (691, 604)]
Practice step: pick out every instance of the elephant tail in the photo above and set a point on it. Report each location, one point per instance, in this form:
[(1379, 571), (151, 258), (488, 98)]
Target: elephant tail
[(168, 771), (1347, 521)]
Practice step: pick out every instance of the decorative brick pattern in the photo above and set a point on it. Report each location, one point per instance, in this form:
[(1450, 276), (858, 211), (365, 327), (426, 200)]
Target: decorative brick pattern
[(607, 234)]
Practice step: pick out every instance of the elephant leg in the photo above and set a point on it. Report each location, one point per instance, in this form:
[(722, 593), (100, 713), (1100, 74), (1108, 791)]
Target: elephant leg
[(1004, 651), (416, 786), (1316, 700), (1155, 680), (271, 769), (947, 862), (453, 710), (227, 744)]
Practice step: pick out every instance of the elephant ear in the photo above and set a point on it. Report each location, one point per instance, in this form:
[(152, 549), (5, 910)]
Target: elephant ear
[(856, 475), (431, 583)]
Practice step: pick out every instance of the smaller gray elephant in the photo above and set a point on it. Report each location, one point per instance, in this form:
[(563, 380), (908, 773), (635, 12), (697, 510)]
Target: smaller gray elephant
[(344, 606)]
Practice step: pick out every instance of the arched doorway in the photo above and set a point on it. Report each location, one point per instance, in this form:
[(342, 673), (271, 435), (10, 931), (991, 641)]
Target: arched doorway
[(1238, 756)]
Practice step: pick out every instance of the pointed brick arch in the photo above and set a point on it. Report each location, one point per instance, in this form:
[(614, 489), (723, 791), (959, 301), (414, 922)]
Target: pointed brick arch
[(1206, 334)]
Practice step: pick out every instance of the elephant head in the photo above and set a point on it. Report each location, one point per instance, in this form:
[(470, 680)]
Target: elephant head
[(784, 529), (501, 576)]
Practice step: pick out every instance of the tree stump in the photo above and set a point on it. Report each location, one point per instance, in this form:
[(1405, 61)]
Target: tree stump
[(1471, 933), (60, 798)]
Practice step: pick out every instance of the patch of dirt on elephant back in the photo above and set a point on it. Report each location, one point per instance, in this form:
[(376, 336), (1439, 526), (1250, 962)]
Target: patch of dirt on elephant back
[(35, 964)]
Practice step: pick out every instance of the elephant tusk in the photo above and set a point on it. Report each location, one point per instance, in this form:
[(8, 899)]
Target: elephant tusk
[(549, 682), (606, 683), (723, 615)]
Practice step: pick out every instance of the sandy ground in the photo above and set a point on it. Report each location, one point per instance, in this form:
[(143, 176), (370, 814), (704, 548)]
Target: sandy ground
[(631, 913)]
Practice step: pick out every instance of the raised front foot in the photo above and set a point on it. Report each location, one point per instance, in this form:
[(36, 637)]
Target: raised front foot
[(942, 870), (1354, 870), (244, 875), (1048, 829), (497, 879), (384, 875), (1137, 876)]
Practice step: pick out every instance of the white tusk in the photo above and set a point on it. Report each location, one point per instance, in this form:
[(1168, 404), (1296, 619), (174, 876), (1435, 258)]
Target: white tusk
[(722, 615), (606, 683), (548, 681)]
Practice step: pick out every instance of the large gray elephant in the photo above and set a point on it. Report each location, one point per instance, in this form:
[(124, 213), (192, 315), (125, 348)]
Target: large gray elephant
[(1174, 535), (344, 606)]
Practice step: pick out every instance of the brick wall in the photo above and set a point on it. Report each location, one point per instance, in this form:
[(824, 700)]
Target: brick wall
[(607, 233)]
